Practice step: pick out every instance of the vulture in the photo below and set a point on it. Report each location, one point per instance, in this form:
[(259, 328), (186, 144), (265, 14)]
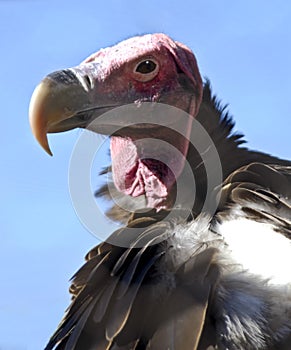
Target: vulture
[(202, 256)]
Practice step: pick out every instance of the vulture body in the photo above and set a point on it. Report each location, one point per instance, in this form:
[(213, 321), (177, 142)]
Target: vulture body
[(203, 269)]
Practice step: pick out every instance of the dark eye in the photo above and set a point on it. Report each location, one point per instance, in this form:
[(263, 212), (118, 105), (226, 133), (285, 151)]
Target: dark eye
[(146, 69)]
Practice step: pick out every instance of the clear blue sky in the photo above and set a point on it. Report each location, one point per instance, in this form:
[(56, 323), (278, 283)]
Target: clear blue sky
[(244, 47)]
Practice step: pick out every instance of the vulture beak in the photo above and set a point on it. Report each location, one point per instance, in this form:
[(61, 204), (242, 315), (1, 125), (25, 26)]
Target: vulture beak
[(61, 102)]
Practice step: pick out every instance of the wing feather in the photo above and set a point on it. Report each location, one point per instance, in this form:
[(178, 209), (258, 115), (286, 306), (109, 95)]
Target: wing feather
[(185, 314), (261, 192)]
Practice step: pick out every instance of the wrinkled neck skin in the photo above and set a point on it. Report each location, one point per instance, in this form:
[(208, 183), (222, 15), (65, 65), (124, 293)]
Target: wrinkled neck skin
[(149, 164), (149, 160)]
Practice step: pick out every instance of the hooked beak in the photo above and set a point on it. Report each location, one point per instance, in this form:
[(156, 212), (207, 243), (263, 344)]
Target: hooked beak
[(64, 100), (59, 103)]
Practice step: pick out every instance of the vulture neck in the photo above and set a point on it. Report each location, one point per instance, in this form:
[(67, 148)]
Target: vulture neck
[(218, 125)]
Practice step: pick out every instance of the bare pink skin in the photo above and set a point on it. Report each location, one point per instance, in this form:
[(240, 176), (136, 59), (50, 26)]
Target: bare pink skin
[(134, 173)]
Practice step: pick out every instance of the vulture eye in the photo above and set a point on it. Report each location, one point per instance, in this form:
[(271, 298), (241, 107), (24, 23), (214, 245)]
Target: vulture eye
[(146, 70)]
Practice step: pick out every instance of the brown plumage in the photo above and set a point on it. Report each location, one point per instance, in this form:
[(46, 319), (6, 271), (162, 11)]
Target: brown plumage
[(173, 277)]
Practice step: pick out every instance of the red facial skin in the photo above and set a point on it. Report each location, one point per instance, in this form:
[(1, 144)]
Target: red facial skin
[(134, 173)]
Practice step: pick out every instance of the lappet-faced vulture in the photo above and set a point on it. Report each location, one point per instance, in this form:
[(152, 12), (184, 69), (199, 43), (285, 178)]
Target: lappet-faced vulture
[(206, 263)]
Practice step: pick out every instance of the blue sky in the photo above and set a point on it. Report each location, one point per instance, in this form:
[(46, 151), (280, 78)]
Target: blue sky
[(244, 47)]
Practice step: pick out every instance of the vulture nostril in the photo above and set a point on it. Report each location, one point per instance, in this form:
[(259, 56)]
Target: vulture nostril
[(88, 82)]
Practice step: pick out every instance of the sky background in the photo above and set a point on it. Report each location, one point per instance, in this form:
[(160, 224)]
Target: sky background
[(244, 47)]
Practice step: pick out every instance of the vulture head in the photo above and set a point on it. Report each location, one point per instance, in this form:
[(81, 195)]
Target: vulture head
[(141, 71)]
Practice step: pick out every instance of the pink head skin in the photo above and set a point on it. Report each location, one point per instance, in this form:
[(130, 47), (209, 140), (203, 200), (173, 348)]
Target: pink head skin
[(149, 68), (118, 63)]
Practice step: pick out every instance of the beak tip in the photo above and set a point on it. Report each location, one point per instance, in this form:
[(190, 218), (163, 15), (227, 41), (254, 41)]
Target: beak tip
[(38, 118), (49, 152), (43, 141)]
